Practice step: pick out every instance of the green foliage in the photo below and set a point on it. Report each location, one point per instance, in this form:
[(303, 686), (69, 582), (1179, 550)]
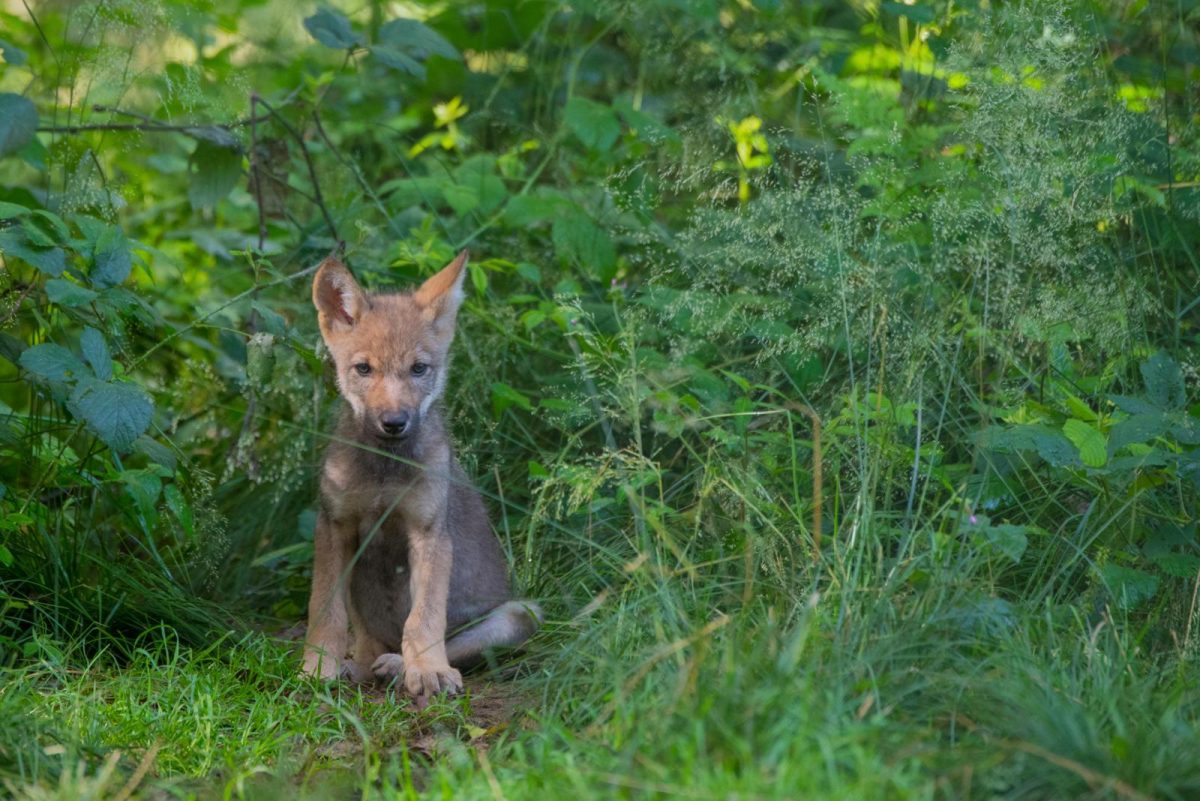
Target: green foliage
[(959, 235)]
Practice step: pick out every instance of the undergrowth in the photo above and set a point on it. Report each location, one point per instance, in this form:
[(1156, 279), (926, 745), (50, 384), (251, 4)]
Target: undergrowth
[(830, 371)]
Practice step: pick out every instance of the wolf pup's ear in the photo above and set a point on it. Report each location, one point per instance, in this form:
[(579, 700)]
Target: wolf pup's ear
[(339, 300), (441, 295)]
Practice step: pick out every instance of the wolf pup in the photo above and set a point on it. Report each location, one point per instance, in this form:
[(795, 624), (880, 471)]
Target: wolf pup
[(404, 550)]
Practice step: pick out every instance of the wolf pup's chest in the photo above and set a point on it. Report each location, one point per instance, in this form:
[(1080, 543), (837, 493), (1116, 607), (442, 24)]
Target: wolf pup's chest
[(347, 495)]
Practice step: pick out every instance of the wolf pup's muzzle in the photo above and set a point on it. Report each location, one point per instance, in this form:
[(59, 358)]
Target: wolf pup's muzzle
[(397, 425)]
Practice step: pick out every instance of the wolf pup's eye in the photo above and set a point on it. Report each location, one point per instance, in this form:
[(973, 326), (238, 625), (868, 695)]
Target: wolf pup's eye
[(363, 368), (420, 368)]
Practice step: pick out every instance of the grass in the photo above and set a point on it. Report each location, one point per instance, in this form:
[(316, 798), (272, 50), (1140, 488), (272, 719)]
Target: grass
[(875, 685), (953, 279)]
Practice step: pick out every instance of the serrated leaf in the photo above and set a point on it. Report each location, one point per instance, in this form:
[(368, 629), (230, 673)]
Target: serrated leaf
[(1134, 405), (1008, 539), (51, 261), (1164, 381), (1137, 428), (269, 320), (156, 452), (95, 350), (12, 54), (215, 171), (645, 126), (67, 293), (461, 198), (18, 122), (596, 125), (332, 29), (1179, 565), (523, 210), (1056, 449), (11, 211), (417, 38), (48, 226), (576, 238), (117, 413), (1129, 586), (35, 236), (398, 60), (112, 260), (53, 362), (1092, 444), (1185, 428)]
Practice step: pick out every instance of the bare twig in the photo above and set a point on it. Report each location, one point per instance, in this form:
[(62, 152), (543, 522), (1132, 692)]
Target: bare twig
[(256, 171), (149, 124), (318, 198)]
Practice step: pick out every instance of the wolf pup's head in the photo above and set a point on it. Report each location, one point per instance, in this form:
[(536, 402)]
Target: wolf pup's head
[(391, 351)]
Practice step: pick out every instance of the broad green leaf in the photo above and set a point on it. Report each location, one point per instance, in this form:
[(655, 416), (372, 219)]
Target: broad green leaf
[(645, 126), (1056, 449), (1179, 565), (35, 236), (6, 557), (51, 261), (1008, 539), (1129, 586), (576, 238), (1134, 405), (1137, 429), (118, 413), (180, 508), (417, 38), (596, 125), (1092, 444), (1164, 381), (67, 293), (12, 54), (1185, 428), (484, 195), (10, 211), (461, 198), (332, 29), (112, 259), (215, 171), (46, 229), (18, 122), (397, 59), (53, 362), (524, 210), (95, 350), (144, 487), (156, 452), (269, 320)]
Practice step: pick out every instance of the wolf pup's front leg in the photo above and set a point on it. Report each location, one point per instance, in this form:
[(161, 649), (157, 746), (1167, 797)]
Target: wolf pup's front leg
[(426, 669), (328, 621)]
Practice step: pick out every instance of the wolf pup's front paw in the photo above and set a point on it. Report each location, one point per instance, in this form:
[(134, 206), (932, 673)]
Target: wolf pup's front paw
[(321, 666), (424, 679), (388, 667)]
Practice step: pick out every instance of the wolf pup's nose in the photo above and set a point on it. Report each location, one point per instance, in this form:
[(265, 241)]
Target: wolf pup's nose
[(395, 424)]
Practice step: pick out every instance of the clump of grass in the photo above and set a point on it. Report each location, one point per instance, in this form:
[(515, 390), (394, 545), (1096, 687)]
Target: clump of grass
[(641, 445)]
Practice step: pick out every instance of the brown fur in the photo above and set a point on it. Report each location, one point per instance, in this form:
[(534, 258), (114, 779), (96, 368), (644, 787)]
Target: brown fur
[(404, 550)]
